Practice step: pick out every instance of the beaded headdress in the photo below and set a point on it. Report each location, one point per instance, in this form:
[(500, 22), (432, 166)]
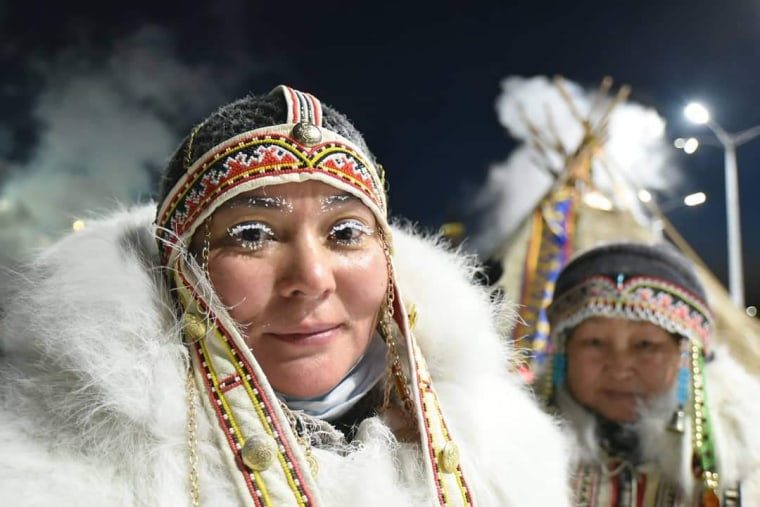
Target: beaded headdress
[(651, 283), (282, 137)]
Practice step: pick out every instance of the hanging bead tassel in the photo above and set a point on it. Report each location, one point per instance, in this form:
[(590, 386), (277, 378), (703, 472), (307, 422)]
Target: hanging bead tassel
[(703, 449), (559, 370), (677, 422)]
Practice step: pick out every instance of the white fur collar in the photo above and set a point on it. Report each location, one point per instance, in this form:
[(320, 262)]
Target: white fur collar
[(732, 394), (93, 400)]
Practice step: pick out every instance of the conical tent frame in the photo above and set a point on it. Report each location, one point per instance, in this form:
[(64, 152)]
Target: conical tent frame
[(566, 220)]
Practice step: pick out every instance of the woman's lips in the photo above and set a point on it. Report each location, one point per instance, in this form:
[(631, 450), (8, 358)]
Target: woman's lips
[(620, 395), (310, 336)]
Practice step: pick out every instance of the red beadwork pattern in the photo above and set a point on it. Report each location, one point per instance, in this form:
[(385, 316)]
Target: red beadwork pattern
[(258, 157), (642, 297)]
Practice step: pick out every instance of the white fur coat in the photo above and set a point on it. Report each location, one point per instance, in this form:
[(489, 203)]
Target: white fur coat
[(93, 402)]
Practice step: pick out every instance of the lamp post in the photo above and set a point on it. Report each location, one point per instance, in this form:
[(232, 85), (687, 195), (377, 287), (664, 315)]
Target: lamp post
[(697, 113)]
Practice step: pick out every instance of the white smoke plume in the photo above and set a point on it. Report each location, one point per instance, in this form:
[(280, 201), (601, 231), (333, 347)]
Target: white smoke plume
[(106, 127), (636, 148)]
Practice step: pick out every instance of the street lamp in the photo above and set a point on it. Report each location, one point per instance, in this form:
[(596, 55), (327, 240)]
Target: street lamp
[(697, 113), (689, 200), (694, 199), (659, 210)]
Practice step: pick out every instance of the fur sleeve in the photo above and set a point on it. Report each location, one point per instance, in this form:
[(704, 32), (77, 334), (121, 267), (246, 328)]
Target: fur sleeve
[(733, 396)]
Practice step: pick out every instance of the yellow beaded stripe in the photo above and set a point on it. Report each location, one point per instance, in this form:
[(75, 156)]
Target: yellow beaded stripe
[(703, 445), (260, 406), (431, 404), (432, 417), (236, 438), (293, 482), (257, 484), (225, 416)]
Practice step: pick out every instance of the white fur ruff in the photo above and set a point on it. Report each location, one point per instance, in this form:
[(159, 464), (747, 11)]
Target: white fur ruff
[(92, 395), (732, 397)]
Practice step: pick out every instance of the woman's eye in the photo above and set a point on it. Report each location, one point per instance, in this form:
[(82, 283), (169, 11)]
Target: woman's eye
[(250, 235), (593, 342), (349, 232), (644, 344)]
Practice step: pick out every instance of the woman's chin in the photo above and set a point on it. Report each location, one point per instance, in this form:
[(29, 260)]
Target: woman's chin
[(306, 389), (620, 415)]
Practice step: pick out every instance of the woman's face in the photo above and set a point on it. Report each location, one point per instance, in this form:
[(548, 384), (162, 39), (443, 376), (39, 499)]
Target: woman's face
[(302, 267), (613, 363)]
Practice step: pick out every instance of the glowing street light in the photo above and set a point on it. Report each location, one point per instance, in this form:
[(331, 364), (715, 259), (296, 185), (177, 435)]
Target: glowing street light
[(695, 199), (689, 200), (645, 195), (689, 145), (597, 200), (697, 113)]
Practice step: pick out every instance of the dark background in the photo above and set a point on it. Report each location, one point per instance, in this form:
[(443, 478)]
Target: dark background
[(420, 80)]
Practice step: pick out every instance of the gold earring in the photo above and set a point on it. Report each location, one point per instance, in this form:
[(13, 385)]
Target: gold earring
[(206, 247), (189, 149)]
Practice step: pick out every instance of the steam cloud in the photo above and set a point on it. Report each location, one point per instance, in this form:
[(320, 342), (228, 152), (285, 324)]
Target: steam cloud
[(636, 149), (106, 129)]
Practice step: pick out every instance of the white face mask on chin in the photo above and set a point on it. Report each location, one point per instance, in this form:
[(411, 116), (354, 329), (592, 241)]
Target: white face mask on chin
[(358, 381)]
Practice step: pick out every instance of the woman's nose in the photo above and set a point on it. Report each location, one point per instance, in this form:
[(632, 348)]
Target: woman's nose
[(621, 363), (308, 271)]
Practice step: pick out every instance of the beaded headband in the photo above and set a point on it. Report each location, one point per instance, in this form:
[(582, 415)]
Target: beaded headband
[(641, 298), (299, 149)]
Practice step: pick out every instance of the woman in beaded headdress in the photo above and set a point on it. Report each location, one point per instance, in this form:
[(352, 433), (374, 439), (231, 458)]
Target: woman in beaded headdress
[(660, 416), (265, 337)]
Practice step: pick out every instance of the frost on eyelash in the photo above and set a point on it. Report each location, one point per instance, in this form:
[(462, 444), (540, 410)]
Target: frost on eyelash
[(353, 225), (238, 228), (235, 231)]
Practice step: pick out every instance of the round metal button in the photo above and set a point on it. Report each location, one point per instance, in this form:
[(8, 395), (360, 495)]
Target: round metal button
[(307, 133), (448, 457), (194, 326), (259, 452)]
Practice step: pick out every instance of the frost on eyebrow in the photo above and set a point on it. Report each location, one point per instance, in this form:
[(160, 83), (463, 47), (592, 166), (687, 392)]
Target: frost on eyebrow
[(330, 201), (261, 201)]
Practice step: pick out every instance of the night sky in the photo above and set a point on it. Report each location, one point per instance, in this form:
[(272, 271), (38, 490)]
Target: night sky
[(420, 83)]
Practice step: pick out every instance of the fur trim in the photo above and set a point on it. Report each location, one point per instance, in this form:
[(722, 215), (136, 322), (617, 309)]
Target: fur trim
[(731, 393), (92, 398)]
